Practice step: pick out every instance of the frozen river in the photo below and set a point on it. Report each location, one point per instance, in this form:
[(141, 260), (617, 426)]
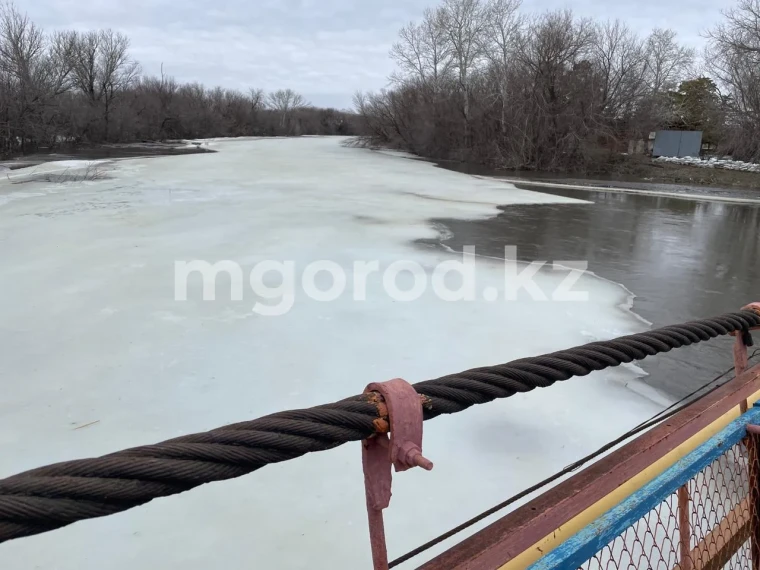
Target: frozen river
[(100, 353), (684, 260)]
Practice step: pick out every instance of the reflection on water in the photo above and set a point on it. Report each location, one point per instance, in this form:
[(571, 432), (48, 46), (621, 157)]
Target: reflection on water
[(682, 259)]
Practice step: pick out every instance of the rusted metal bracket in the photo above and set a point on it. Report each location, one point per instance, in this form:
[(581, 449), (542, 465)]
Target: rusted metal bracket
[(403, 450), (743, 340)]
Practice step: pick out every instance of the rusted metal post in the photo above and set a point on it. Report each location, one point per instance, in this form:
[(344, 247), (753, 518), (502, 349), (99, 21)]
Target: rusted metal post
[(399, 401), (684, 527), (377, 488), (740, 363)]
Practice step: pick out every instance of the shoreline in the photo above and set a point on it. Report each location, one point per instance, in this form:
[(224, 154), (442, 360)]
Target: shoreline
[(145, 149), (637, 176), (107, 151), (590, 188)]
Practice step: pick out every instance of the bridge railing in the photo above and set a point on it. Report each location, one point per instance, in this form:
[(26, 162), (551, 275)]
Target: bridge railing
[(700, 513), (682, 496), (574, 522)]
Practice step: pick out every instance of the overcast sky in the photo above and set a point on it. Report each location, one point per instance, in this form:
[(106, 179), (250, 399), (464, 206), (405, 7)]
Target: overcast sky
[(325, 49)]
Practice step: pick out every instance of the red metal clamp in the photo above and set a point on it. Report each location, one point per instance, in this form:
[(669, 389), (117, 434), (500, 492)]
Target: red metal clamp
[(403, 450), (740, 350)]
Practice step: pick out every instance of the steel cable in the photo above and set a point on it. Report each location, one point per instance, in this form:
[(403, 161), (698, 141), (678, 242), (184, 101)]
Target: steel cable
[(53, 496)]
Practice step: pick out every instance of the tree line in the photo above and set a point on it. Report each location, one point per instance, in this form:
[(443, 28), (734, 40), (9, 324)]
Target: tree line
[(70, 88), (479, 80)]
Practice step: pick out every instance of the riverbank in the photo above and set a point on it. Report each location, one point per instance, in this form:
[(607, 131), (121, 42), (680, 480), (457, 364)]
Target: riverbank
[(107, 151), (637, 175), (682, 192), (632, 171), (645, 169)]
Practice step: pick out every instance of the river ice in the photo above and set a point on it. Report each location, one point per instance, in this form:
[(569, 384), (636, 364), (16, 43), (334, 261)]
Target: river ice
[(97, 355)]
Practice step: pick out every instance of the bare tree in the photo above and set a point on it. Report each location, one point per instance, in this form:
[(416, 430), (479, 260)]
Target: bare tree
[(35, 70), (734, 53), (620, 58), (555, 53), (464, 22), (667, 61), (60, 62), (423, 51), (156, 98), (741, 30), (501, 29), (733, 56), (103, 69), (436, 47), (407, 52), (285, 102), (257, 99), (117, 71), (85, 65), (22, 44), (377, 113)]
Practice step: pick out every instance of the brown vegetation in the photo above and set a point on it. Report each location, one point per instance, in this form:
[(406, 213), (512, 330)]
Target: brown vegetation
[(69, 88), (479, 81), (644, 169)]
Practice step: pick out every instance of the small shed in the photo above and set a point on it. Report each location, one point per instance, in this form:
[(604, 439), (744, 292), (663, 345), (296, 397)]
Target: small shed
[(677, 143)]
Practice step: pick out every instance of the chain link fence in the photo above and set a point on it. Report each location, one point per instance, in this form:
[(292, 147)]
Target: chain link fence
[(706, 524)]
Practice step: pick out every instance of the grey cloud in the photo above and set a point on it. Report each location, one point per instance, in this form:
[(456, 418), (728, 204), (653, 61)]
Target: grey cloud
[(325, 49)]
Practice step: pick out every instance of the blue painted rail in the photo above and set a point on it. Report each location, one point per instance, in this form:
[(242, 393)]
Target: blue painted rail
[(598, 536)]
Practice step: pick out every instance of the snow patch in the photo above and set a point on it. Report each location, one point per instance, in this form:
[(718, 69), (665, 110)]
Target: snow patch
[(75, 168), (712, 162)]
